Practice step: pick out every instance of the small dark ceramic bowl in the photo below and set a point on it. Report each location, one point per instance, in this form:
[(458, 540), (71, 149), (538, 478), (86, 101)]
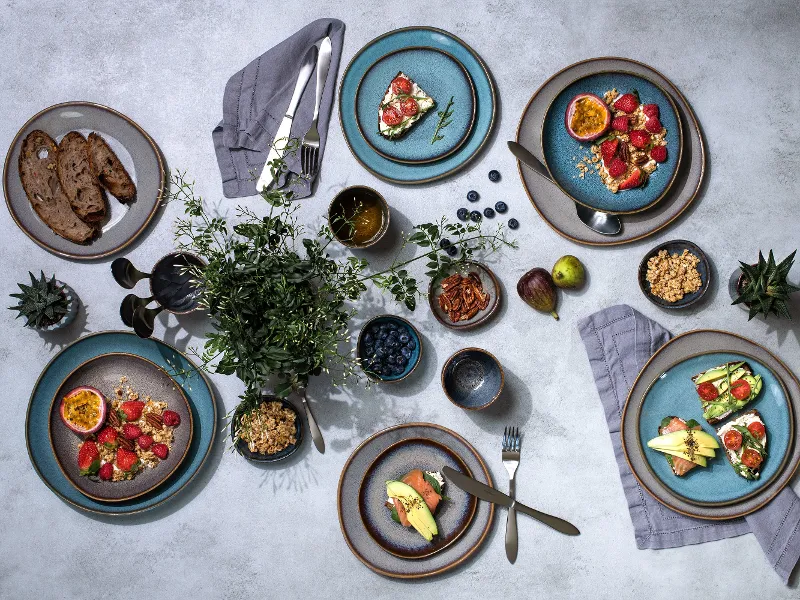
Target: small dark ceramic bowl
[(359, 193), (416, 352), (677, 247), (490, 286), (472, 378), (241, 445)]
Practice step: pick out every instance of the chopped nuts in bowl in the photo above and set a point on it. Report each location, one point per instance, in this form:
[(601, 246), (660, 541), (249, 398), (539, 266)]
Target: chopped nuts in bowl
[(675, 274), (269, 432)]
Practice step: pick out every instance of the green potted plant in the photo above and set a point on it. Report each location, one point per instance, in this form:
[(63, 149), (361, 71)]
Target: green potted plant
[(46, 304), (763, 287)]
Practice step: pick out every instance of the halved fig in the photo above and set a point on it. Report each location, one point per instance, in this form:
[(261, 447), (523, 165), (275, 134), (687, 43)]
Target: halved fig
[(84, 410), (587, 117)]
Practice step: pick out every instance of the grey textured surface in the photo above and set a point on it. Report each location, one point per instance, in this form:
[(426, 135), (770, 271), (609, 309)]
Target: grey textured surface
[(242, 530)]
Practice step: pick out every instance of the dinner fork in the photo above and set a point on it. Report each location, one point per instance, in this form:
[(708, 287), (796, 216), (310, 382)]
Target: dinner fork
[(309, 150), (511, 444)]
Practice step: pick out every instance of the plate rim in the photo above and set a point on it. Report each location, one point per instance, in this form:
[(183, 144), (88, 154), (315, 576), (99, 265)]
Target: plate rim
[(467, 471), (680, 142), (490, 311), (124, 244), (752, 493), (642, 272), (438, 157), (444, 568), (74, 504), (690, 115), (467, 160)]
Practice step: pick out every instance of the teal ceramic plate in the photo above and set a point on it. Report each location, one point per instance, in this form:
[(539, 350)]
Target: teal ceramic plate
[(562, 153), (673, 393), (442, 77), (194, 386), (398, 46)]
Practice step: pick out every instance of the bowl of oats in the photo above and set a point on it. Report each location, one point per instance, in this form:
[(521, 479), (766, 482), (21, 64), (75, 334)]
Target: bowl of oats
[(675, 274), (268, 431)]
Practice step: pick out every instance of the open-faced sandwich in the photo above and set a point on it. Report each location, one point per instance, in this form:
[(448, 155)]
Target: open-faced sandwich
[(745, 441), (402, 105), (684, 443), (413, 501), (726, 389)]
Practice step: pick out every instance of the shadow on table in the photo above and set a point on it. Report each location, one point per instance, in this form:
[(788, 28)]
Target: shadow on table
[(59, 338)]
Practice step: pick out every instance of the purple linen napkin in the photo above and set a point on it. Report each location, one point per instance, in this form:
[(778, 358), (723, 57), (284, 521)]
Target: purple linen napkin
[(255, 103), (619, 341)]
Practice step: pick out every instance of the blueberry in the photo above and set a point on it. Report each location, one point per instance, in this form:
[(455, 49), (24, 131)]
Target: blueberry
[(488, 213), (385, 334), (472, 196), (444, 243), (462, 214), (404, 337), (501, 207), (401, 360), (494, 175), (390, 359), (513, 223), (392, 327), (392, 343), (368, 349), (411, 344), (405, 352), (380, 352), (368, 338), (398, 370), (452, 250), (475, 216)]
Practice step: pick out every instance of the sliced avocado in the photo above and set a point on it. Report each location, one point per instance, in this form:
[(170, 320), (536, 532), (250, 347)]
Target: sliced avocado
[(735, 376), (697, 459), (755, 384), (677, 439), (717, 373), (702, 450), (714, 410), (417, 512)]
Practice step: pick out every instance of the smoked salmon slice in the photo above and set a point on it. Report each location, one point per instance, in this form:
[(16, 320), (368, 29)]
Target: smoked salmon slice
[(416, 479)]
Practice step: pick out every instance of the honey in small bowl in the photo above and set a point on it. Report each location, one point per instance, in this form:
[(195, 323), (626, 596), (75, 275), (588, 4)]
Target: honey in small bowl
[(358, 216)]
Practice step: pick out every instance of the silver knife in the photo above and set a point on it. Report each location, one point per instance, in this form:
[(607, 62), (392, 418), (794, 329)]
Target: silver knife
[(484, 492), (285, 128)]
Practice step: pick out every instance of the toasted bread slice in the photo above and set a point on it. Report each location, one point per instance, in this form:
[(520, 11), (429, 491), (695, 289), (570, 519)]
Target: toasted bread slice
[(735, 457), (109, 170), (77, 180), (390, 98), (724, 405), (38, 171)]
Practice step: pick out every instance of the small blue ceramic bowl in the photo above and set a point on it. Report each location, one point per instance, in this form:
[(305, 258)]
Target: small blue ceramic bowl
[(677, 247), (377, 346), (472, 378)]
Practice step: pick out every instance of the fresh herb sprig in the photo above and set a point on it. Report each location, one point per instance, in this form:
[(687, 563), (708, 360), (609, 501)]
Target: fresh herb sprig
[(445, 118)]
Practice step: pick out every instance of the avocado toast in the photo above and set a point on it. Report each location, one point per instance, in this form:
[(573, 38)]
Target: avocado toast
[(684, 443), (413, 501), (745, 442), (726, 389)]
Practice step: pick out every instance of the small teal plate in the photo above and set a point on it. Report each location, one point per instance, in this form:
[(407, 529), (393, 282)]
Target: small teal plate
[(432, 39), (442, 77), (673, 393), (194, 386), (562, 153)]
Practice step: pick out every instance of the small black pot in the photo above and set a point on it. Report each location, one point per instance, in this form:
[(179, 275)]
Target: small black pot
[(241, 445)]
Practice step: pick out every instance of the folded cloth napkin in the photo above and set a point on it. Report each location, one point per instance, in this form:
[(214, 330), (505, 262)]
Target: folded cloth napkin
[(255, 102), (619, 341)]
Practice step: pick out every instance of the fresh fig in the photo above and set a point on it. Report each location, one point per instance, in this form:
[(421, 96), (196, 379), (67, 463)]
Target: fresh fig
[(587, 117), (83, 410), (568, 273), (536, 288)]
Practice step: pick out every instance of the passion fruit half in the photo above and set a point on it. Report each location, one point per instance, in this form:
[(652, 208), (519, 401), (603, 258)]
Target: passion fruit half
[(587, 117), (84, 410)]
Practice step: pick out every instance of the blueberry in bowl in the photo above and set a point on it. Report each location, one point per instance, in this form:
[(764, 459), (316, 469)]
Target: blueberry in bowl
[(389, 348)]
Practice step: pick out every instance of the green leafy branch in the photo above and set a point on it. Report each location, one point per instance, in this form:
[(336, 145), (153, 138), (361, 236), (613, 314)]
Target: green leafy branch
[(445, 118)]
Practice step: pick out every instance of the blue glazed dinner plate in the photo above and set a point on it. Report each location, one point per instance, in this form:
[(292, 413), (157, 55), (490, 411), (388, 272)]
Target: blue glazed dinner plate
[(373, 68), (673, 393), (562, 153), (193, 384)]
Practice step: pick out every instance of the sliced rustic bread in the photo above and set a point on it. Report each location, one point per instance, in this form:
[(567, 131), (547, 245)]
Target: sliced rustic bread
[(38, 172), (109, 170), (76, 178)]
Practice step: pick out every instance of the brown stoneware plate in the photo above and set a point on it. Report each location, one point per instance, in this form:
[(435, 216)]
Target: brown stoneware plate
[(489, 284)]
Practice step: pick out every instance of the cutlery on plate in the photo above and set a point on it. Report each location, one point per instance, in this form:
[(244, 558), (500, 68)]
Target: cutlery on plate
[(316, 434), (130, 303), (309, 151), (126, 274), (484, 492), (285, 129), (602, 223), (511, 456)]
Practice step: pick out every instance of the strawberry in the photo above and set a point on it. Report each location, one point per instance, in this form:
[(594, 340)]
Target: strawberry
[(659, 153), (108, 437), (126, 460), (171, 418), (617, 167), (633, 180), (640, 138), (627, 103), (144, 441), (131, 410), (161, 451), (131, 431), (650, 110), (608, 149), (106, 472), (620, 123), (653, 125), (88, 458)]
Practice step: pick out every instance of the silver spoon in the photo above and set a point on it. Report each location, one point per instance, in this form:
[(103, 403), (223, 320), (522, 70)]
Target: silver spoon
[(316, 434), (602, 223)]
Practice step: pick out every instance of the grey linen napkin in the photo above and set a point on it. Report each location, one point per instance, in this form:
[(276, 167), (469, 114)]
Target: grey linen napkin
[(619, 341), (255, 102)]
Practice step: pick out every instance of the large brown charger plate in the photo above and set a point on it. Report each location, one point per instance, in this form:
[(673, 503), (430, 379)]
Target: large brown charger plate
[(558, 210), (148, 379)]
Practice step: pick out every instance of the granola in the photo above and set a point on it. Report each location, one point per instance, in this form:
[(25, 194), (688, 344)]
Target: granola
[(671, 277), (268, 428)]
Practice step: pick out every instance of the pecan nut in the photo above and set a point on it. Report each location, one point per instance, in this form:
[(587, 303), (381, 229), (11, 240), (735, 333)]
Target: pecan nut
[(125, 443), (154, 420), (113, 418)]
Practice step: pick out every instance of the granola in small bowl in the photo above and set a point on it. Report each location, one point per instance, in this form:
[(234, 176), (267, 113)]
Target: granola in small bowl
[(674, 274), (268, 431)]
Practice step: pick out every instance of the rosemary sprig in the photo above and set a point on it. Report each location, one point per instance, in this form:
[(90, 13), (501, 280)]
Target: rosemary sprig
[(444, 120)]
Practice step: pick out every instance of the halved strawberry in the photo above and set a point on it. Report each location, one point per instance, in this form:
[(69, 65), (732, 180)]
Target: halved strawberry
[(650, 110), (108, 437), (126, 460), (640, 138), (88, 458), (633, 180), (627, 103), (106, 472), (653, 125), (659, 153), (620, 123), (131, 410), (608, 149), (617, 167), (131, 431)]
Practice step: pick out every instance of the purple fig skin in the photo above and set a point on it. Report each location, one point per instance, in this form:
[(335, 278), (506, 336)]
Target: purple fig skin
[(538, 290)]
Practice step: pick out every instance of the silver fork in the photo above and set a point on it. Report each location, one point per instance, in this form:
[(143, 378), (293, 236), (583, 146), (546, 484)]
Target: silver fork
[(309, 151), (511, 445)]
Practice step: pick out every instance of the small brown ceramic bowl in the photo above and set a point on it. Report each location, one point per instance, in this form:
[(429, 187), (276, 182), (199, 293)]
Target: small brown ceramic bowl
[(489, 284), (472, 379), (357, 201)]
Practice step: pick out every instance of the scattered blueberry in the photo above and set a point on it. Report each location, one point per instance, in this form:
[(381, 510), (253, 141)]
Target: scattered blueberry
[(452, 250), (472, 196), (494, 175), (488, 213), (513, 223), (501, 207), (475, 216), (444, 243), (462, 214)]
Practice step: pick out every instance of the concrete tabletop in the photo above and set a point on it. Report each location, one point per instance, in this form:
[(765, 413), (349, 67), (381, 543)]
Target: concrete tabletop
[(241, 531)]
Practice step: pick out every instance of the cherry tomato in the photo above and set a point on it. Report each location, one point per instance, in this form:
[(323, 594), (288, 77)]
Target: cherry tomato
[(401, 85), (751, 458), (757, 429), (740, 389), (707, 391), (732, 440), (409, 107), (392, 116)]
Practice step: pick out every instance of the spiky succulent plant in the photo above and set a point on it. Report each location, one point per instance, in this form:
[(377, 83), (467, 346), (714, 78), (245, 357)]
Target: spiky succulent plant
[(764, 288), (42, 303)]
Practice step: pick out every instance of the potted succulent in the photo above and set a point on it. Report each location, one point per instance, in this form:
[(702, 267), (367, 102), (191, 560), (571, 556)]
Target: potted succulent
[(762, 287), (46, 304)]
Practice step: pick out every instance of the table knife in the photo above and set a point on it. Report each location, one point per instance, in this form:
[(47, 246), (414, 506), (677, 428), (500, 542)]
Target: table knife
[(285, 128), (484, 492)]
